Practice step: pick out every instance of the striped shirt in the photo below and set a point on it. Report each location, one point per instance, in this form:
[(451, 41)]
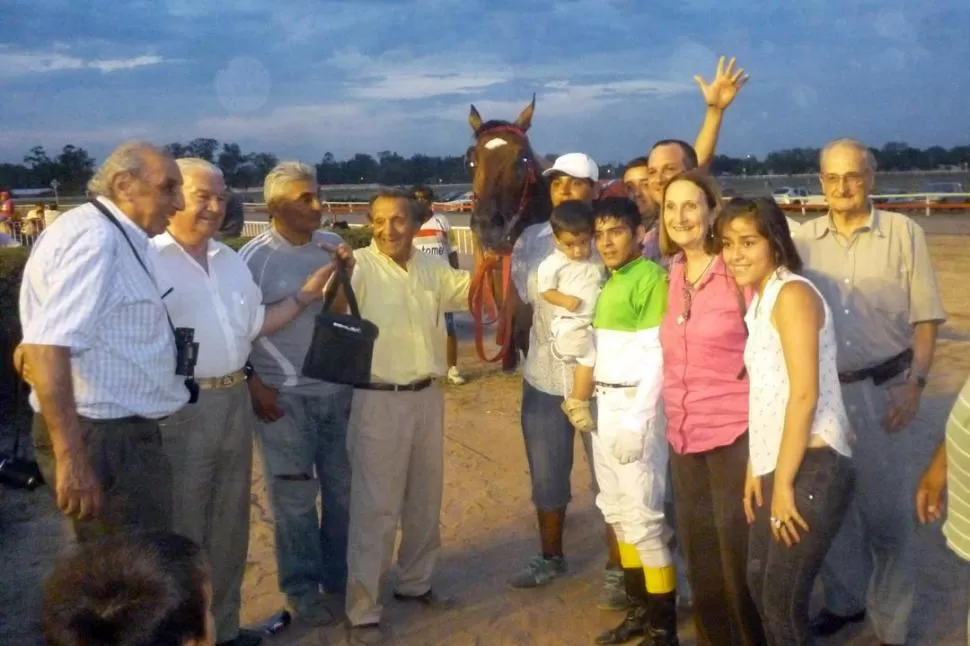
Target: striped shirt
[(435, 237), (957, 526), (84, 289)]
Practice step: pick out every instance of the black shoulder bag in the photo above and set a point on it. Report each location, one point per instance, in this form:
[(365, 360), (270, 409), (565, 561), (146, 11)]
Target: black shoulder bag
[(342, 348)]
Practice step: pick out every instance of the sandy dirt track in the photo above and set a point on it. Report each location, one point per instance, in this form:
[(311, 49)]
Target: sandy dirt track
[(488, 526)]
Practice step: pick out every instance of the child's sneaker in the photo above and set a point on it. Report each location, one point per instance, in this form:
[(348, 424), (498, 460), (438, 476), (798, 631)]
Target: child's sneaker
[(579, 415)]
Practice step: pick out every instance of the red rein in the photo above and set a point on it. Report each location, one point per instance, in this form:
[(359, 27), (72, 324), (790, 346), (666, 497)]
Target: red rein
[(481, 303)]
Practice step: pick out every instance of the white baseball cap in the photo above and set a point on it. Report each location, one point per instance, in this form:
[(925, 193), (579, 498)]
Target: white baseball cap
[(578, 165)]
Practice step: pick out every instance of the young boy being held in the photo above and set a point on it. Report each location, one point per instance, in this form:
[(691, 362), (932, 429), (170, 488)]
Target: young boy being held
[(569, 280)]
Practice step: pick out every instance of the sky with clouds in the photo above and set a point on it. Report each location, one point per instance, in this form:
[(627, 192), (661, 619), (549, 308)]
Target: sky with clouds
[(303, 77)]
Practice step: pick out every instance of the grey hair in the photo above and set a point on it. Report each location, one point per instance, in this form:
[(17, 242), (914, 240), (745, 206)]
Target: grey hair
[(854, 144), (188, 165), (416, 210), (283, 174), (129, 157)]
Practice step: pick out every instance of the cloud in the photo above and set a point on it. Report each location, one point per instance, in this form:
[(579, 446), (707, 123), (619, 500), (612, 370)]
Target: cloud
[(19, 64)]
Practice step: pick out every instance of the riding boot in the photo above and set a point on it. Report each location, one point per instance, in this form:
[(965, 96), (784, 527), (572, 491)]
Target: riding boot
[(661, 629), (635, 622)]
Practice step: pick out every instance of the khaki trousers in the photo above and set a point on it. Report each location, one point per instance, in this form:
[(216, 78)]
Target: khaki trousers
[(395, 442)]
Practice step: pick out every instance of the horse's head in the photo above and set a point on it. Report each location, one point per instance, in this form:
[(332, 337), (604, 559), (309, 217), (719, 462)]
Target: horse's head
[(507, 185)]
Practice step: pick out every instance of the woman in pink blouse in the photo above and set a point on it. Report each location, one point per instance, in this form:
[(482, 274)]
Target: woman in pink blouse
[(705, 397)]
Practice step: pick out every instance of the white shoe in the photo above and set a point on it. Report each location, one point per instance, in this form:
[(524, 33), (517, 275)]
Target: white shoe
[(455, 378)]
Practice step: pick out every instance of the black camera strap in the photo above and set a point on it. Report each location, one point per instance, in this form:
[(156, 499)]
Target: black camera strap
[(108, 214)]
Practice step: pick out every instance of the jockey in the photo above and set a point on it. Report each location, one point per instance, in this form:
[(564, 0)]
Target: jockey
[(629, 446)]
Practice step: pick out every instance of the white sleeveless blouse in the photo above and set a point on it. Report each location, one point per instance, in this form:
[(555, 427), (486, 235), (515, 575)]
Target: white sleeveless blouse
[(769, 387)]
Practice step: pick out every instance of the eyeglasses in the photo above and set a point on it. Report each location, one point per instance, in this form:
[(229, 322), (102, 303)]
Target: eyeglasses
[(852, 179)]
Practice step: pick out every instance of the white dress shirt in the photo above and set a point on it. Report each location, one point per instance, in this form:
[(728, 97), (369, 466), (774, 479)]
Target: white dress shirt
[(84, 289), (224, 306)]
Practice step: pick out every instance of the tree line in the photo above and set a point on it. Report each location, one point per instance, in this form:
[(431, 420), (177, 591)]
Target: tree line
[(73, 166)]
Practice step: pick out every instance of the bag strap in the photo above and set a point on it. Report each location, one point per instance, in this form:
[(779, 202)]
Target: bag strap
[(342, 280)]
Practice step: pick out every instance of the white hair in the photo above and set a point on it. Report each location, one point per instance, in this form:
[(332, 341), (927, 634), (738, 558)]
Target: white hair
[(854, 144), (129, 157), (190, 165), (283, 174)]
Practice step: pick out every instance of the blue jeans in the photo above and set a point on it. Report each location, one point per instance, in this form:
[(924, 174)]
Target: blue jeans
[(304, 454), (549, 441), (780, 578)]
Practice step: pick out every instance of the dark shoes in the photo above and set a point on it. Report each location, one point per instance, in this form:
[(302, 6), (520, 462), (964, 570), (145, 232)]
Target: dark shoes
[(654, 620), (634, 625), (828, 623), (244, 638)]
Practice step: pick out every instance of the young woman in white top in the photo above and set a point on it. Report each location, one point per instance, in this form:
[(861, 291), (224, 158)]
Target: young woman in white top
[(800, 477)]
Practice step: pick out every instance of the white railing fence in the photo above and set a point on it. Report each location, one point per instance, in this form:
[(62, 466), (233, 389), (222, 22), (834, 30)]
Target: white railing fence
[(463, 235)]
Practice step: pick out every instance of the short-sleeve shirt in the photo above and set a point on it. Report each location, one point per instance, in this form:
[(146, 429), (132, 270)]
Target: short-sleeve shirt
[(435, 237), (86, 289), (579, 278), (879, 282), (279, 269)]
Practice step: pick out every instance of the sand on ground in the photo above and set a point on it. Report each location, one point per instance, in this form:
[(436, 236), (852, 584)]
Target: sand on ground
[(488, 527)]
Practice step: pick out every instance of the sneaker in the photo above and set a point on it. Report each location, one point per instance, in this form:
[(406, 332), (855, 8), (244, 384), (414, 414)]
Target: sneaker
[(455, 378), (613, 596), (579, 414), (538, 572)]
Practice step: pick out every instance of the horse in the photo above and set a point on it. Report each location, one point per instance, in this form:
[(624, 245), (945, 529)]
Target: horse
[(508, 195)]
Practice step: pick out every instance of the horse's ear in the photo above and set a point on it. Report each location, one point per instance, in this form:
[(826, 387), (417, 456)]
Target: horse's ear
[(524, 120), (474, 119)]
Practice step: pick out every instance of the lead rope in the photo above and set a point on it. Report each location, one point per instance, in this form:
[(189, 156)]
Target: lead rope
[(479, 295)]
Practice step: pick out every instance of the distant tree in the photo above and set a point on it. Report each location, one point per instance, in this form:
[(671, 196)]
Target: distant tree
[(230, 160), (177, 150), (74, 168), (204, 148)]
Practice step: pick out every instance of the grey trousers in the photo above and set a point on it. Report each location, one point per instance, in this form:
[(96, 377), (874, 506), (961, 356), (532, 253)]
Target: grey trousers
[(871, 563), (396, 445), (210, 446), (134, 472)]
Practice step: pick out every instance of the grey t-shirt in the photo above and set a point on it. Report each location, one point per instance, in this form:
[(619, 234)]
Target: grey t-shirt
[(280, 269)]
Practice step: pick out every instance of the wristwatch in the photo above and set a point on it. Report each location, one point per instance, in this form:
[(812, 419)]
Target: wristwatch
[(920, 381)]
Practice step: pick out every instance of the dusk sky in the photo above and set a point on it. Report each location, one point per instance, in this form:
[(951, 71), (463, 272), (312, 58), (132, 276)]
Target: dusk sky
[(299, 78)]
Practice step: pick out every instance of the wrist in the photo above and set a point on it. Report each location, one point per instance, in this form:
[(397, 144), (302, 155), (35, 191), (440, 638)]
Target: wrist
[(302, 299), (915, 378), (714, 109)]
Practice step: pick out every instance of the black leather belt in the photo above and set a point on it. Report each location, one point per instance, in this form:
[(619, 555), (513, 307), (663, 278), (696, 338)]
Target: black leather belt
[(606, 385), (414, 386), (882, 372)]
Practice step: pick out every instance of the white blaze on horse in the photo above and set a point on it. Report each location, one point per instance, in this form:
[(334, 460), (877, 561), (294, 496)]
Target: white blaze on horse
[(509, 194)]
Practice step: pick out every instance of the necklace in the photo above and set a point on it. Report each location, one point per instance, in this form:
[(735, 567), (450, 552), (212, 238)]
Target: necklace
[(689, 291)]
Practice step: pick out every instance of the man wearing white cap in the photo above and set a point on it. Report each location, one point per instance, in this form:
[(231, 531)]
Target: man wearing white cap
[(549, 436), (573, 177)]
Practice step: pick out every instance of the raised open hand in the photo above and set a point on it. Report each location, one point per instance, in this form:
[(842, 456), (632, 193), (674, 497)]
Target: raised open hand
[(720, 92)]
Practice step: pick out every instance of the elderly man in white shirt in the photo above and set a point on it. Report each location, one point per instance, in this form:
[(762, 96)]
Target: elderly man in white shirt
[(99, 351), (209, 288)]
